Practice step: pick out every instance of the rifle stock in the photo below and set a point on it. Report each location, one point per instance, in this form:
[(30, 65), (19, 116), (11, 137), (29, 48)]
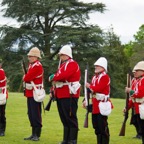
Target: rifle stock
[(86, 120), (47, 108), (123, 128)]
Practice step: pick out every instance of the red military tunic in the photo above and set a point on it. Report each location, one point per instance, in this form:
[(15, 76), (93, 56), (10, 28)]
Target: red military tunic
[(69, 71), (35, 74), (3, 81), (133, 85), (138, 96), (100, 84)]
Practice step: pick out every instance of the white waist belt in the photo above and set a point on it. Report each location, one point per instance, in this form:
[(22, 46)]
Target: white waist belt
[(30, 87), (61, 84), (73, 86), (2, 87), (139, 100), (100, 96), (3, 80)]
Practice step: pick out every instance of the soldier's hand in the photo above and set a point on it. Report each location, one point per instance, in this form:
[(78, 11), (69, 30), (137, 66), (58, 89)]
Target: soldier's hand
[(87, 85), (124, 111), (84, 104), (50, 95), (127, 89)]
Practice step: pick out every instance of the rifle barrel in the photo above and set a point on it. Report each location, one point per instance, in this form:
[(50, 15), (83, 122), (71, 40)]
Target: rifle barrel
[(25, 71)]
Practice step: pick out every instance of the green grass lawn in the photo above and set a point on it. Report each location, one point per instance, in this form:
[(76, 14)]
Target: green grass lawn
[(18, 125)]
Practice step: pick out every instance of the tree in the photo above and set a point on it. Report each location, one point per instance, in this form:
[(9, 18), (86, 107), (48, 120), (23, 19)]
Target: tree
[(134, 49), (118, 64), (46, 23), (49, 24)]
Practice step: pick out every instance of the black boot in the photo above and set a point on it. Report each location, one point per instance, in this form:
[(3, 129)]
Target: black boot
[(37, 134), (30, 137), (2, 133), (2, 129), (73, 136), (142, 139), (138, 130), (99, 139), (105, 139), (65, 136)]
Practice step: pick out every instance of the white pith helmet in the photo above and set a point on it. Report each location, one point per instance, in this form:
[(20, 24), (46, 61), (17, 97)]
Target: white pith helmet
[(102, 61), (139, 66), (66, 49), (34, 52), (134, 69)]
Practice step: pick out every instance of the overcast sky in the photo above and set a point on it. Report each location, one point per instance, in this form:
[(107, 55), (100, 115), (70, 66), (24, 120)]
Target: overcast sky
[(125, 16)]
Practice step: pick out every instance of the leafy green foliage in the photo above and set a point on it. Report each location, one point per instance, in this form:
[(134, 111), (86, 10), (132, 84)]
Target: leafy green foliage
[(50, 24), (135, 49), (43, 23), (47, 24)]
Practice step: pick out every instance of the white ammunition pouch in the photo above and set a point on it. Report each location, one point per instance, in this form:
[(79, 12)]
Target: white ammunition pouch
[(60, 84), (2, 96), (141, 111), (38, 93), (139, 100), (28, 86), (73, 86), (100, 96)]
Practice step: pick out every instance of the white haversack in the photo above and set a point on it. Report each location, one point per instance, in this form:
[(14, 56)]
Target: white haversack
[(141, 110), (38, 93), (105, 108), (3, 97)]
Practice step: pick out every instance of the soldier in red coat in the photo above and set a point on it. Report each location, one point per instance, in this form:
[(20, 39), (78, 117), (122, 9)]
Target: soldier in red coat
[(137, 95), (35, 74), (134, 118), (100, 89), (3, 92), (67, 92)]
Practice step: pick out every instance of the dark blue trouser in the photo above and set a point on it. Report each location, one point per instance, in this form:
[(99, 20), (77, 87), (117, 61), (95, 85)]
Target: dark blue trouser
[(67, 108), (34, 112), (141, 121), (100, 124), (2, 118)]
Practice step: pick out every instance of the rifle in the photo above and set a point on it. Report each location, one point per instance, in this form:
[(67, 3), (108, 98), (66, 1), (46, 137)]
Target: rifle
[(24, 66), (87, 97), (25, 71), (122, 131), (52, 98)]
